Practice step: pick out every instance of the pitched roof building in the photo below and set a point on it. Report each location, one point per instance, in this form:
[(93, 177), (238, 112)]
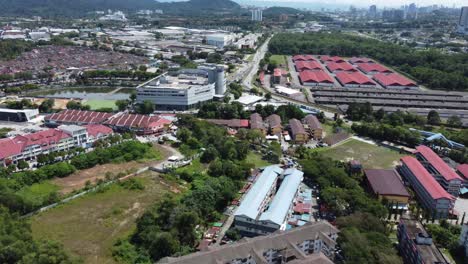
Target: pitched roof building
[(354, 79), (256, 122), (298, 132), (373, 68), (386, 184), (314, 78), (394, 81), (340, 66)]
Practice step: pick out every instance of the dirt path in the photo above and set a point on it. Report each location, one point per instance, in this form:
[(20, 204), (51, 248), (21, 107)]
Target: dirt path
[(78, 180)]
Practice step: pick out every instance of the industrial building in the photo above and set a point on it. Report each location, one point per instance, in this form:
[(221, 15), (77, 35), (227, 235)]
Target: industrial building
[(441, 172), (298, 133), (265, 208), (29, 146), (387, 185), (373, 68), (354, 80), (415, 244), (312, 124), (307, 66), (326, 58), (431, 195), (316, 78), (185, 89), (312, 243), (220, 40), (340, 66), (394, 81), (18, 115)]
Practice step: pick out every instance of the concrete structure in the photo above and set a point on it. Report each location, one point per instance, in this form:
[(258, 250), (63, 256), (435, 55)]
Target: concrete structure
[(29, 146), (265, 208), (416, 245), (116, 16), (298, 133), (312, 124), (387, 184), (257, 14), (441, 172), (311, 243), (463, 21), (394, 81), (14, 115), (464, 238), (274, 124), (183, 90), (438, 202)]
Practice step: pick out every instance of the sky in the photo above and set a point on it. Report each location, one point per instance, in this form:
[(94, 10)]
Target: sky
[(357, 3)]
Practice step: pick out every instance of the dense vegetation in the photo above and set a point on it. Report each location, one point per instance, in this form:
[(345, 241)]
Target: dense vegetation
[(429, 67), (170, 227)]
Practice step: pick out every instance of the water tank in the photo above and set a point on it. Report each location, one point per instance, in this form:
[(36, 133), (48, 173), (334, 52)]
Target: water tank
[(220, 81)]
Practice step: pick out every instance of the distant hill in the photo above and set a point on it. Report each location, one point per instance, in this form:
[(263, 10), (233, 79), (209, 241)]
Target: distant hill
[(277, 10), (79, 8)]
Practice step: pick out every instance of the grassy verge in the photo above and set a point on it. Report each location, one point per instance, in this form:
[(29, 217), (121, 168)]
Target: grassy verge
[(88, 226), (371, 156)]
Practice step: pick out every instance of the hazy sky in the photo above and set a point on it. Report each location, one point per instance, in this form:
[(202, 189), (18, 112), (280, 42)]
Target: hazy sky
[(381, 3)]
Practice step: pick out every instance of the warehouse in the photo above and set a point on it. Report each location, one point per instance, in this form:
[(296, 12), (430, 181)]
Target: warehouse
[(315, 78), (394, 81), (303, 58), (340, 66), (308, 66), (354, 79), (356, 60), (373, 68), (326, 58), (430, 194)]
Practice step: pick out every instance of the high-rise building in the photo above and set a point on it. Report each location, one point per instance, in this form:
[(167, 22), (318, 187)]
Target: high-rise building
[(463, 21), (257, 15), (373, 11), (412, 11)]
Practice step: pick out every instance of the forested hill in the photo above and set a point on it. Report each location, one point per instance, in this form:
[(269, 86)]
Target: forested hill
[(79, 8)]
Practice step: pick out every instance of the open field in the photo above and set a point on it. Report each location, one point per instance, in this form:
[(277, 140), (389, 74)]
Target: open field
[(89, 226), (96, 104), (279, 59), (78, 179), (371, 156), (38, 193), (256, 159)]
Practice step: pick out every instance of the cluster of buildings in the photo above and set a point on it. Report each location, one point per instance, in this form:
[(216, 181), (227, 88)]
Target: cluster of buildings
[(121, 122), (353, 73), (184, 89), (29, 146), (311, 243), (114, 16)]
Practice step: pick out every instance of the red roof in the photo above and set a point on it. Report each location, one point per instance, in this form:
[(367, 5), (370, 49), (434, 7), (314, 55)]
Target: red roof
[(303, 58), (315, 76), (463, 169), (308, 65), (334, 58), (386, 182), (393, 79), (8, 148), (360, 60), (425, 178), (277, 72), (373, 67), (354, 78), (137, 121), (261, 76), (437, 163), (302, 208), (98, 130), (340, 66), (78, 116), (235, 123)]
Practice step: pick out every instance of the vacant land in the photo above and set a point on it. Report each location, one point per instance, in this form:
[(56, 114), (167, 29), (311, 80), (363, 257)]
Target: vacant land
[(278, 59), (371, 156), (38, 193), (89, 226), (256, 158), (96, 104)]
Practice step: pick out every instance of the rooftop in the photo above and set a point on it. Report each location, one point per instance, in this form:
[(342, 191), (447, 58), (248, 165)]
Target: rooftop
[(437, 163), (313, 122), (308, 65), (425, 178), (393, 79), (340, 66), (303, 58), (256, 121), (333, 58), (371, 67), (360, 60), (315, 76), (296, 127), (78, 116), (463, 170), (354, 78), (386, 182), (273, 120)]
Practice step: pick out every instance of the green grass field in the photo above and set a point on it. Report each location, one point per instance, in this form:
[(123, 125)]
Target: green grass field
[(371, 156), (90, 225), (256, 159), (38, 193), (279, 59), (96, 104)]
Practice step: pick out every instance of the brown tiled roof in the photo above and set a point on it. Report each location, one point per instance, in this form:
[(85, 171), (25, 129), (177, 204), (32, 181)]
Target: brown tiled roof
[(296, 127), (386, 182), (274, 121), (256, 122), (312, 122)]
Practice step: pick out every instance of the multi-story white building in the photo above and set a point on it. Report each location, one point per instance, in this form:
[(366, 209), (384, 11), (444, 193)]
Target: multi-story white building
[(257, 15), (463, 21), (185, 90), (220, 40)]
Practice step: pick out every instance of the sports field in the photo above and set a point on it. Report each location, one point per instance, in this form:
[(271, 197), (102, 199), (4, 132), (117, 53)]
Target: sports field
[(96, 104)]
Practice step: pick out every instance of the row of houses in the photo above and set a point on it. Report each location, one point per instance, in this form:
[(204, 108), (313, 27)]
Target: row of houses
[(121, 122), (28, 147)]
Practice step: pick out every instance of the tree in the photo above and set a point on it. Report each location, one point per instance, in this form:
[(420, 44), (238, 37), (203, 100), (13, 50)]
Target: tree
[(268, 96), (147, 107), (48, 252), (133, 97), (22, 165), (164, 244), (122, 104), (454, 121), (433, 118), (47, 105)]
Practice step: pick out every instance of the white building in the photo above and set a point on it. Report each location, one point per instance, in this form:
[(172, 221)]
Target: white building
[(116, 16), (185, 90), (18, 115), (219, 40), (39, 35), (257, 15), (13, 34), (464, 238), (463, 21)]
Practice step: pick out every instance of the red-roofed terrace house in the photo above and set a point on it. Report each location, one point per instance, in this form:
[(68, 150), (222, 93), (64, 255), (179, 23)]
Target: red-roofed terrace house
[(429, 192), (441, 172), (395, 81)]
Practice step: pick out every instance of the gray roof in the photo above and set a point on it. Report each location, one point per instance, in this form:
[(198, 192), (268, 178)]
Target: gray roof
[(280, 205), (256, 121), (274, 121), (251, 204), (312, 122)]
